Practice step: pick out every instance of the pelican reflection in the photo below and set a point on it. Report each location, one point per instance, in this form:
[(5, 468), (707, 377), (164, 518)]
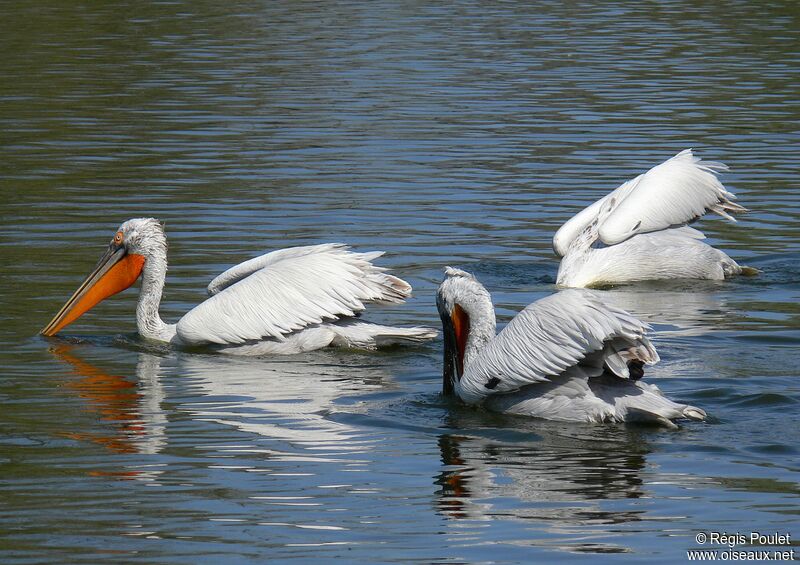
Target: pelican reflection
[(129, 408), (287, 400), (685, 307), (562, 478)]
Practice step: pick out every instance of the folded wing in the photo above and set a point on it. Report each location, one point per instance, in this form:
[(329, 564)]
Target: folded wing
[(557, 332), (287, 290)]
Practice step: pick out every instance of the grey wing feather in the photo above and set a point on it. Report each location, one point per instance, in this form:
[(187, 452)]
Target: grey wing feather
[(550, 336)]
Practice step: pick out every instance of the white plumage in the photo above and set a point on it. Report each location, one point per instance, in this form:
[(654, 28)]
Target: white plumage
[(288, 290), (639, 231), (568, 356), (287, 301)]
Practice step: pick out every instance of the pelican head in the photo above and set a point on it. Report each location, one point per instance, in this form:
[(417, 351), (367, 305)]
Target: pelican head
[(136, 242), (468, 322)]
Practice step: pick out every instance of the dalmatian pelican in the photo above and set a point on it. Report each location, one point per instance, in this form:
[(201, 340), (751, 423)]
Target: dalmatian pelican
[(640, 230), (567, 357), (287, 301)]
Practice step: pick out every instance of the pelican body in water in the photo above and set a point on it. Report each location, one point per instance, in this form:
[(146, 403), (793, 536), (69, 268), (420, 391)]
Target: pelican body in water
[(567, 357), (640, 230), (287, 301)]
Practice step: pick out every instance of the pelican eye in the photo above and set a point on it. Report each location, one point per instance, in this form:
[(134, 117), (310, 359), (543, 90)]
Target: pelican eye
[(118, 238)]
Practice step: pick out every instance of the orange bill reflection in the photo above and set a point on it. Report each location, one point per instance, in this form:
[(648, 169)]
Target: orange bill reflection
[(117, 403)]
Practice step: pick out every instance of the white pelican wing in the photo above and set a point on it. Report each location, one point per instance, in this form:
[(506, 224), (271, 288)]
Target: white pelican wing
[(548, 337), (576, 226), (287, 290), (673, 193)]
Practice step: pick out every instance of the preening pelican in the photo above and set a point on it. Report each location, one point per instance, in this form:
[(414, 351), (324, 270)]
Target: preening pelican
[(287, 301), (640, 231), (566, 357)]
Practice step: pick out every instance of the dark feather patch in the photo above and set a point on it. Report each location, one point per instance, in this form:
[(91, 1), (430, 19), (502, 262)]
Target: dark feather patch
[(636, 369), (492, 383)]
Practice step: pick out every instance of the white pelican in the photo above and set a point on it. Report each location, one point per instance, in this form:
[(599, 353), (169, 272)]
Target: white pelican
[(287, 301), (566, 357), (639, 231)]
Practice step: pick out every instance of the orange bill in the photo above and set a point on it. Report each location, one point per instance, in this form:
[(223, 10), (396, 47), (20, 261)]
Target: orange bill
[(116, 271), (461, 327)]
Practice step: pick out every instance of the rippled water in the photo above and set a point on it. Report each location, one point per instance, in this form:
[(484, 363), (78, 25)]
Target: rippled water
[(460, 135)]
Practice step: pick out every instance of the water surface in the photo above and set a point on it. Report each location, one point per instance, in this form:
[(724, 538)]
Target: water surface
[(446, 135)]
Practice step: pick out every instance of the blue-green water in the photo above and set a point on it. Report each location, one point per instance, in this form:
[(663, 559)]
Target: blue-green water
[(446, 135)]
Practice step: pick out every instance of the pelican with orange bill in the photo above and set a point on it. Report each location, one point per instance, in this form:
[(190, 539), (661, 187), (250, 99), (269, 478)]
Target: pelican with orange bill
[(286, 301)]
